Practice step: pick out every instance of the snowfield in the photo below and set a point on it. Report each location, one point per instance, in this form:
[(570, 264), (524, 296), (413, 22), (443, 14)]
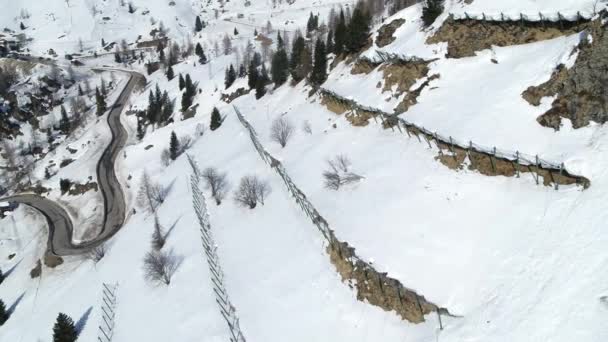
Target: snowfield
[(513, 260)]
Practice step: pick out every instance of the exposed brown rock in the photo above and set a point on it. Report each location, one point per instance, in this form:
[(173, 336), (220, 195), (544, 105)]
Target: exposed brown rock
[(377, 288), (52, 260), (466, 36), (37, 270), (385, 33), (582, 91)]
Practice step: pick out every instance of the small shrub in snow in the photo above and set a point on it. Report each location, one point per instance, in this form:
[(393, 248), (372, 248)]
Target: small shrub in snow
[(160, 266), (281, 131), (251, 190), (338, 173), (217, 183)]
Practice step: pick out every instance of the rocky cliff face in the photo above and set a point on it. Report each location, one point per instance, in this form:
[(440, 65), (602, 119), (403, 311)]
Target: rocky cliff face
[(582, 91)]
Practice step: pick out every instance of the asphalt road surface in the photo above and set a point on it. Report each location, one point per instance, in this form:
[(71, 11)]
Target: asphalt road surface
[(60, 224)]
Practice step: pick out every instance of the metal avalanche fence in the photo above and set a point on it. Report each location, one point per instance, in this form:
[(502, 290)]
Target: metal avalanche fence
[(227, 310), (298, 195), (108, 307), (393, 120)]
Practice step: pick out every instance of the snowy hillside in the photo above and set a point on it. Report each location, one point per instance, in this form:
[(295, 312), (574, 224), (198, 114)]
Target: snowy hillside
[(497, 255)]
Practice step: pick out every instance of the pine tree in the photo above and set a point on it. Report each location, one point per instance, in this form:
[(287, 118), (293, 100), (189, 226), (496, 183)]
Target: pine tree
[(279, 67), (329, 43), (242, 71), (319, 69), (182, 82), (117, 57), (252, 75), (104, 89), (141, 128), (198, 24), (260, 87), (236, 32), (310, 25), (3, 313), (255, 32), (216, 119), (170, 73), (101, 102), (103, 43), (340, 34), (21, 26), (64, 122), (358, 29), (161, 56), (173, 146), (431, 10), (167, 108), (202, 58), (1, 277), (230, 76), (80, 92), (64, 329), (301, 60), (131, 8)]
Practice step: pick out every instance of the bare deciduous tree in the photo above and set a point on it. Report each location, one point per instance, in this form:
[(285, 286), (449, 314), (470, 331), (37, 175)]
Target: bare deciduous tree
[(160, 266), (338, 173), (151, 194), (158, 236), (251, 190), (217, 183), (97, 253), (281, 130), (306, 127)]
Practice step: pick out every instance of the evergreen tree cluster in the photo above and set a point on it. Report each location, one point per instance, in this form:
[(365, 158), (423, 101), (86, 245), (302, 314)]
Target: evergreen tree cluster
[(100, 100), (230, 76), (189, 93), (431, 10), (350, 36), (279, 68), (312, 24), (160, 107)]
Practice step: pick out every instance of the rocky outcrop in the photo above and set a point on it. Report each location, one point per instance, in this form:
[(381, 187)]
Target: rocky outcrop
[(465, 37), (385, 33), (582, 90)]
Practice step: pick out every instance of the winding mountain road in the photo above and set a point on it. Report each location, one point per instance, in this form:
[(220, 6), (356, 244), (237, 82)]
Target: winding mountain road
[(60, 224)]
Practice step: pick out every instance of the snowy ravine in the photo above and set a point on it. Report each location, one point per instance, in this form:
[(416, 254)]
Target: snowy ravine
[(512, 260)]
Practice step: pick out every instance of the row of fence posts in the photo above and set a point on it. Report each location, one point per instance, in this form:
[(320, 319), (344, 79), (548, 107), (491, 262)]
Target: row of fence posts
[(108, 312), (493, 153), (306, 205), (227, 310), (523, 18)]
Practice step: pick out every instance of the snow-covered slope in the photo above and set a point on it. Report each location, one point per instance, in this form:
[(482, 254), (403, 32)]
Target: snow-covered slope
[(512, 261)]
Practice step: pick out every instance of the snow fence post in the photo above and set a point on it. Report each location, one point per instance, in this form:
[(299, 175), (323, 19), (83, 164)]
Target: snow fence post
[(492, 160), (517, 163)]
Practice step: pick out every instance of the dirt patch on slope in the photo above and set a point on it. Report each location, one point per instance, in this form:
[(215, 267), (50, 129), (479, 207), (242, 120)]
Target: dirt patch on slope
[(582, 91), (385, 33), (465, 37)]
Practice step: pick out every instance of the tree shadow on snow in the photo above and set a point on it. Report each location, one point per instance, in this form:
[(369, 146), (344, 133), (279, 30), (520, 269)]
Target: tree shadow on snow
[(13, 307), (171, 228), (83, 320), (12, 269)]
